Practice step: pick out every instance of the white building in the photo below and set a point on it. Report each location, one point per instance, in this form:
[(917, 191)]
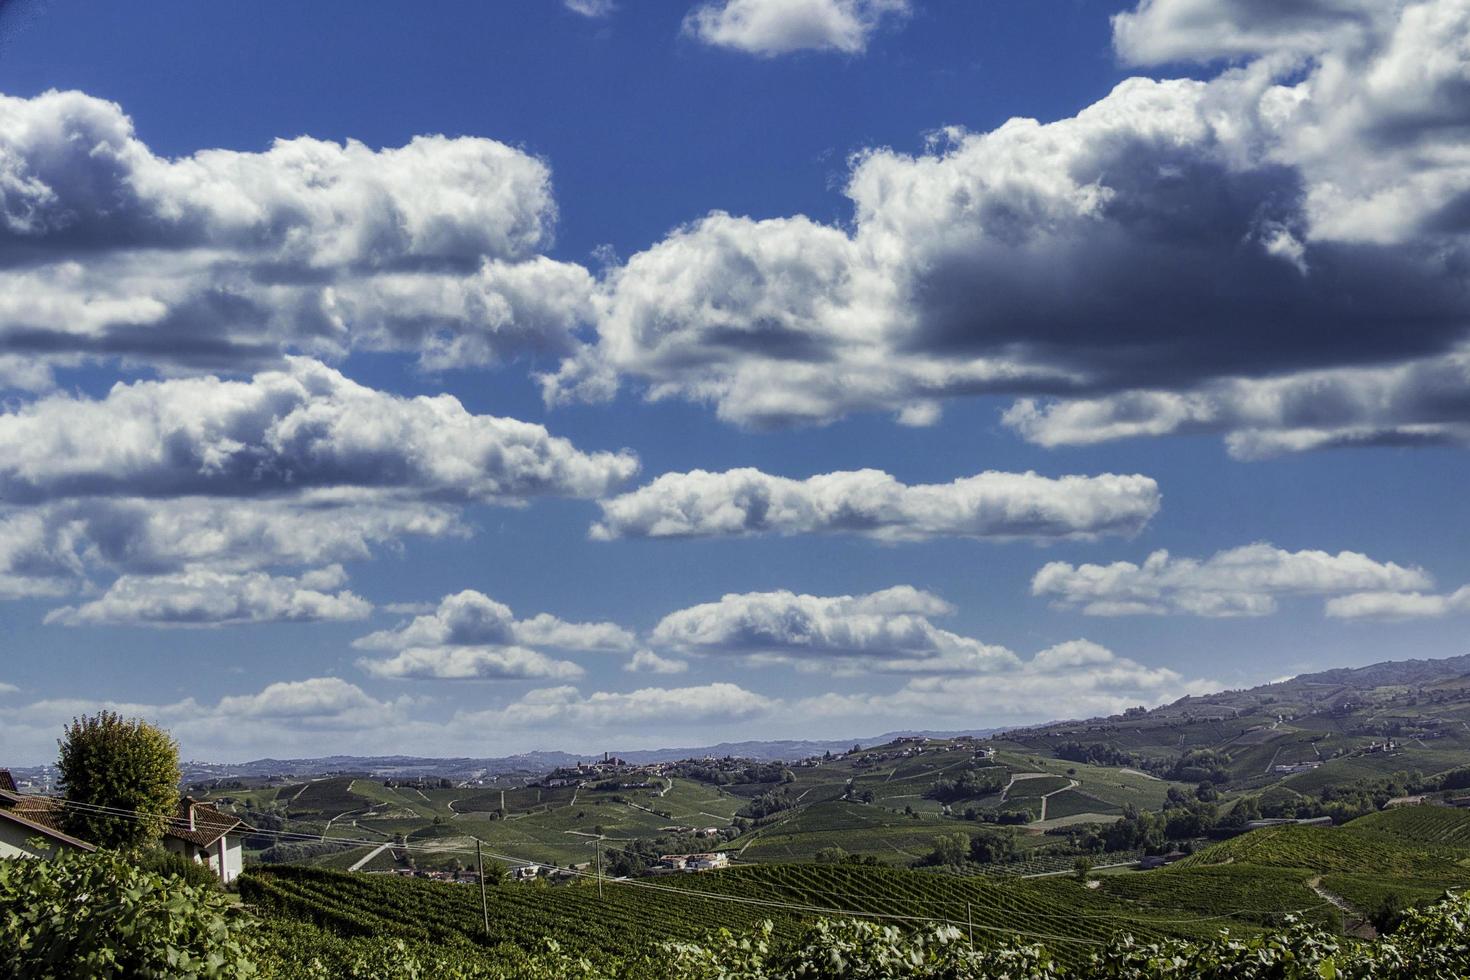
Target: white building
[(201, 833)]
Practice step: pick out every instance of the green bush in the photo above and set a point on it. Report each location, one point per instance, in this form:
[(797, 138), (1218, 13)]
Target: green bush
[(167, 863), (101, 917)]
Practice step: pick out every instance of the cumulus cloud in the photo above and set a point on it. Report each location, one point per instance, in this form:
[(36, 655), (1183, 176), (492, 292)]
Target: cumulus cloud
[(224, 258), (286, 716), (1304, 212), (8, 689), (775, 27), (227, 480), (1239, 582), (1205, 30), (1421, 402), (646, 661), (564, 706), (1074, 679), (471, 663), (471, 618), (470, 636), (991, 505), (201, 597), (1399, 605), (887, 631), (302, 428)]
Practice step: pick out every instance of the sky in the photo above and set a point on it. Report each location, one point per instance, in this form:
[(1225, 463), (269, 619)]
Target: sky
[(575, 374)]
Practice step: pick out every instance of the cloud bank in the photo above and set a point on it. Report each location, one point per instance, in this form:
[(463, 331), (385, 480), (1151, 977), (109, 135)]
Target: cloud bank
[(990, 505), (1276, 253), (1243, 581), (223, 259)]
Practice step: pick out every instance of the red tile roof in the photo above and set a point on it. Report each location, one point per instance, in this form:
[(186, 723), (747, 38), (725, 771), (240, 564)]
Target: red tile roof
[(209, 824), (7, 781), (39, 814)]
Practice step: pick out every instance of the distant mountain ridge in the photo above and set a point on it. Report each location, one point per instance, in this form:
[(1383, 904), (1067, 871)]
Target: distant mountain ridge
[(1317, 690), (781, 750)]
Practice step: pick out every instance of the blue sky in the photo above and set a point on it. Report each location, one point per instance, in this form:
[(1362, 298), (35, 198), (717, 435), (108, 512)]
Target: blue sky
[(725, 335)]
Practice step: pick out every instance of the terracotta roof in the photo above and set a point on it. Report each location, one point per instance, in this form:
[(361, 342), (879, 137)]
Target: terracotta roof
[(209, 824), (42, 818), (7, 781)]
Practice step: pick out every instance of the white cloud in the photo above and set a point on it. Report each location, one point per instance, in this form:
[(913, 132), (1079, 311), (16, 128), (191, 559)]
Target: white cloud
[(646, 661), (564, 706), (1242, 581), (1424, 401), (224, 258), (887, 631), (9, 689), (1399, 605), (776, 27), (1203, 30), (1074, 679), (471, 618), (200, 597), (471, 663), (283, 432), (283, 718), (1276, 221), (594, 9), (991, 505)]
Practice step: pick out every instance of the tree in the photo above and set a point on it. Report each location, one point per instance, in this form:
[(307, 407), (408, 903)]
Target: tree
[(1081, 868), (950, 849), (124, 765)]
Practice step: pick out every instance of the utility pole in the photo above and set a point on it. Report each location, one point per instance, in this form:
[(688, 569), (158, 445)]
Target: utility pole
[(599, 870), (484, 902), (970, 919)]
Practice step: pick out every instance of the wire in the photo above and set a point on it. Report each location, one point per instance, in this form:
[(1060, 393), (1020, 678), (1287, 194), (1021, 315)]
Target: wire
[(121, 813)]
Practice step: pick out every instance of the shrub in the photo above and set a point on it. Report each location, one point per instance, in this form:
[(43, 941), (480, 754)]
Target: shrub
[(167, 863), (100, 917)]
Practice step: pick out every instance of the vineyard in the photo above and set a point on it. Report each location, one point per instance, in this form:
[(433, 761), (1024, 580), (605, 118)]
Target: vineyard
[(1429, 824), (628, 915), (1337, 849)]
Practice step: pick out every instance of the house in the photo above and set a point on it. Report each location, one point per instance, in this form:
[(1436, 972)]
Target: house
[(30, 826), (209, 836)]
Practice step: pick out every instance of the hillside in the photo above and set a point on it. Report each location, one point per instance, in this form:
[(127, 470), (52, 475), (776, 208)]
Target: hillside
[(1305, 733)]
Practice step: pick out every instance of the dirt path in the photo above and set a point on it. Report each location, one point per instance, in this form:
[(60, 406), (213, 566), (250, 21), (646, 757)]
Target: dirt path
[(1018, 777), (1071, 784), (1353, 921), (376, 851)]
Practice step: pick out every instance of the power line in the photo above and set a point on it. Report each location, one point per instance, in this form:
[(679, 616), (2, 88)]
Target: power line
[(295, 837)]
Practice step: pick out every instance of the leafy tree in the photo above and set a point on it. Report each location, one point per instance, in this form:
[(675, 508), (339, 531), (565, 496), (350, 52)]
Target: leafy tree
[(1081, 868), (949, 850), (121, 764), (993, 847), (831, 855)]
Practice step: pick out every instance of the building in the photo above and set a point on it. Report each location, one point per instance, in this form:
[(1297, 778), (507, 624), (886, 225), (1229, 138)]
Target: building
[(695, 862), (30, 826), (208, 836), (197, 831)]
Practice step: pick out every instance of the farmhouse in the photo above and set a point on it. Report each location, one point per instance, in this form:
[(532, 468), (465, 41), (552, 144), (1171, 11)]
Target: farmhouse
[(197, 831), (31, 826), (695, 862), (203, 834)]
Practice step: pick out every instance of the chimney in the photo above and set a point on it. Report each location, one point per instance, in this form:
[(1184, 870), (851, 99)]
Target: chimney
[(191, 816)]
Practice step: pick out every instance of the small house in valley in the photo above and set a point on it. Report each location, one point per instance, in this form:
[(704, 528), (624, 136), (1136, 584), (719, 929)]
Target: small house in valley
[(204, 834)]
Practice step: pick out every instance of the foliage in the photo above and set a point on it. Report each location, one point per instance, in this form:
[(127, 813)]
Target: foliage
[(972, 783), (167, 863), (101, 917), (109, 761)]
